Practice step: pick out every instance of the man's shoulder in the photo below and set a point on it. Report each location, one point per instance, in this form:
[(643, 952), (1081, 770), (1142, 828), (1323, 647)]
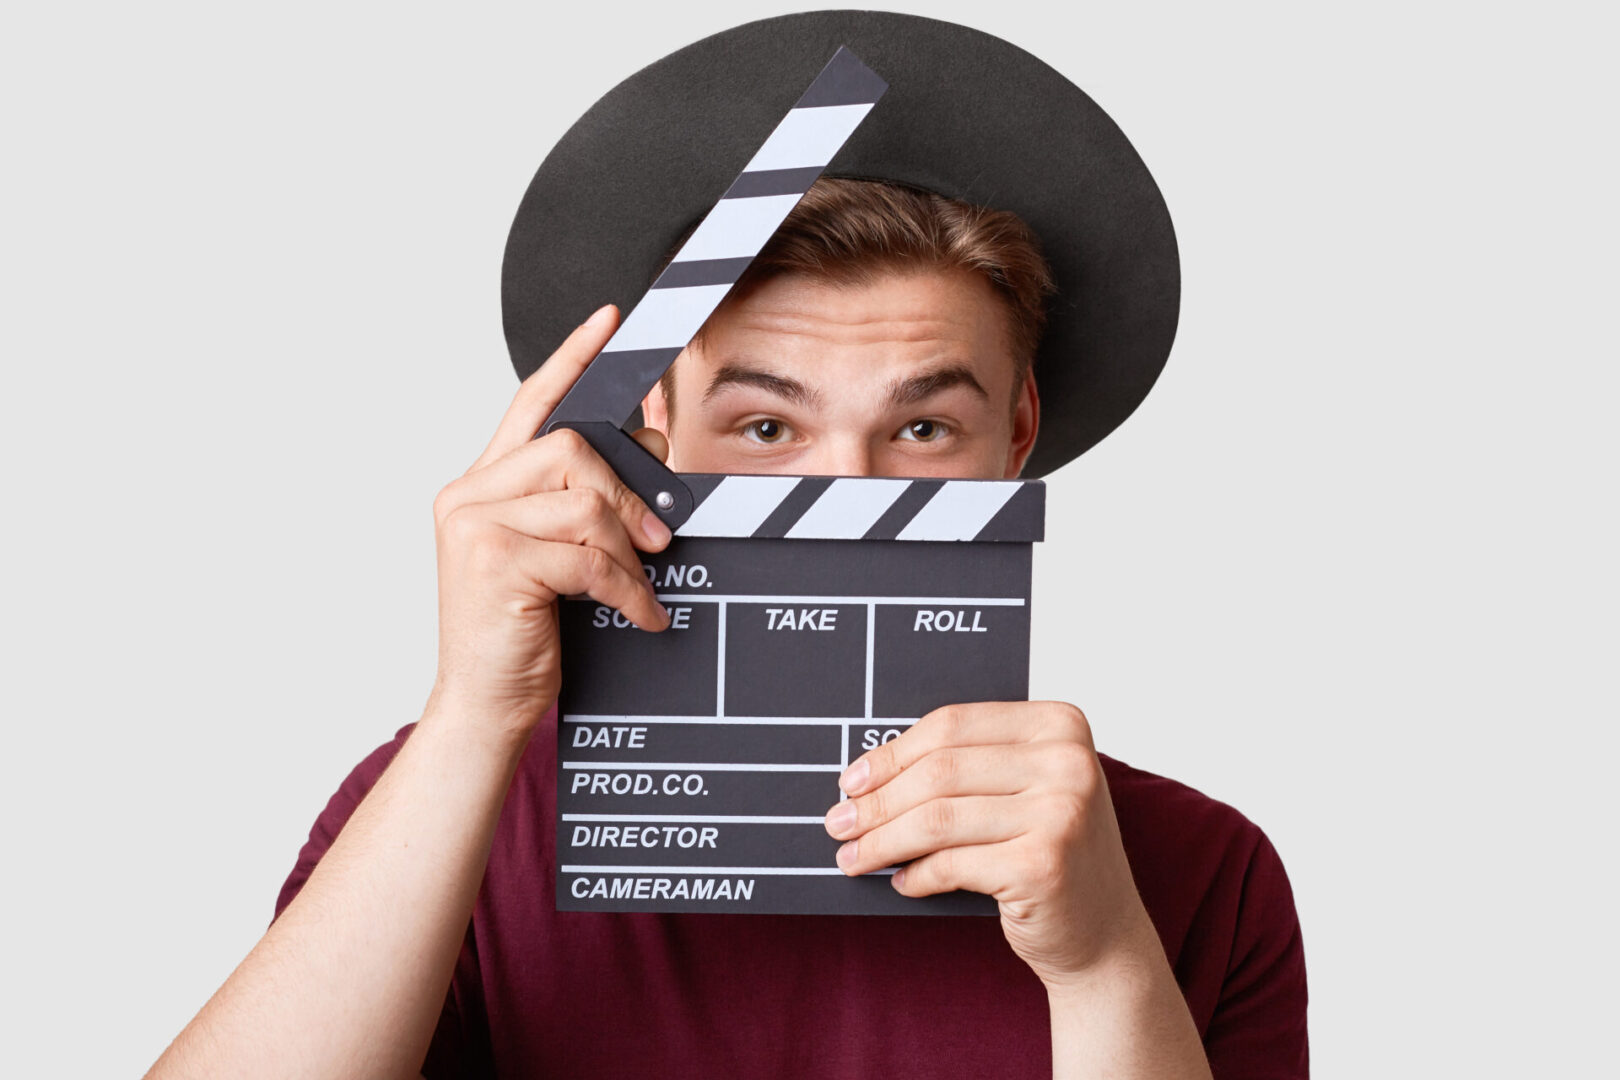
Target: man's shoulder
[(1194, 857), (380, 757), (354, 788), (1149, 802), (374, 763), (1222, 903)]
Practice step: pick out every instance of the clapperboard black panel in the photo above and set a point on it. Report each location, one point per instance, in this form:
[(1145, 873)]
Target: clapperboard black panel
[(812, 619)]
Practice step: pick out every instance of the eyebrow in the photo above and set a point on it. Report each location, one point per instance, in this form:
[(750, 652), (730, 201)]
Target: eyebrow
[(792, 390), (918, 388)]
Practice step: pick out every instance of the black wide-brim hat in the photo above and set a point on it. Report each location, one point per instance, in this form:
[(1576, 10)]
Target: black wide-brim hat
[(967, 116)]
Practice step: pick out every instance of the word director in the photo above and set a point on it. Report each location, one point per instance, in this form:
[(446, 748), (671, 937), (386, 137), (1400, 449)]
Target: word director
[(647, 836)]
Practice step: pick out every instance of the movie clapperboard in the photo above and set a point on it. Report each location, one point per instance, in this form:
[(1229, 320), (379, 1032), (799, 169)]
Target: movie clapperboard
[(812, 618)]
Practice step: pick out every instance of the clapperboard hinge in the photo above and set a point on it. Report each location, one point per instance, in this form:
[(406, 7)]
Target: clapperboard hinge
[(703, 271)]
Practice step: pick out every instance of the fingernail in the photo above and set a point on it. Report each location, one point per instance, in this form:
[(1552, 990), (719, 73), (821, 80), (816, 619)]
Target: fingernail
[(840, 817), (655, 529), (900, 878), (847, 853), (855, 777), (663, 613), (599, 317)]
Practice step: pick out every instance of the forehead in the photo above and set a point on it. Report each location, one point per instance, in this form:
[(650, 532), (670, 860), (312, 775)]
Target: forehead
[(892, 318)]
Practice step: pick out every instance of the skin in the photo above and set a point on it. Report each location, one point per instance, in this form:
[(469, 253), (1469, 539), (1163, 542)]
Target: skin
[(908, 375)]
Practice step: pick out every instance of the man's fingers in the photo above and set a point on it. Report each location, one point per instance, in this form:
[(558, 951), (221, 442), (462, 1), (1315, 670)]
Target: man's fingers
[(946, 772), (981, 723), (935, 825), (541, 391), (954, 725), (577, 570), (979, 868), (573, 516), (559, 461)]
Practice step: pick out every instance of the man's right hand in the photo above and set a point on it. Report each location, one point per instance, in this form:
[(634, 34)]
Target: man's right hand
[(370, 940), (532, 520)]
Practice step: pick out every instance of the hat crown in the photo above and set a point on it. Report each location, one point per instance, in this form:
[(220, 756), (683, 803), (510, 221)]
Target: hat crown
[(967, 115)]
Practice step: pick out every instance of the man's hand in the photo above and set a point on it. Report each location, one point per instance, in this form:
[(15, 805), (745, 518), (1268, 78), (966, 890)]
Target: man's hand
[(531, 520), (370, 941), (1008, 799)]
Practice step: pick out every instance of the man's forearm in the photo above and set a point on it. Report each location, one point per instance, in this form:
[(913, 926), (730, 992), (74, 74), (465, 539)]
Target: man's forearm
[(1127, 1020), (350, 980)]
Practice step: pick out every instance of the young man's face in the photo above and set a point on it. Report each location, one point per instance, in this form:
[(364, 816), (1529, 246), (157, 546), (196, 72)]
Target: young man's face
[(911, 375)]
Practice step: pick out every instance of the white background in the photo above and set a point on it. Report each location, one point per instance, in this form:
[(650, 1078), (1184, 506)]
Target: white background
[(1350, 568)]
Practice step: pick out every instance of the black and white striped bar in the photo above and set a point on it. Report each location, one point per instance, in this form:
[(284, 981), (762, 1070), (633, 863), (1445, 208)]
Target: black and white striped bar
[(725, 242), (866, 508), (772, 182)]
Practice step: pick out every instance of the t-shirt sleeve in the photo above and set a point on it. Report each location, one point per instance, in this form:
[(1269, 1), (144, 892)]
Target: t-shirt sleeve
[(453, 1049), (1258, 1028)]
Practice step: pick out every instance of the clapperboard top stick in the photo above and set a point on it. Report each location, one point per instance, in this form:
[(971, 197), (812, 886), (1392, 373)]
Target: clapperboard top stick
[(703, 272)]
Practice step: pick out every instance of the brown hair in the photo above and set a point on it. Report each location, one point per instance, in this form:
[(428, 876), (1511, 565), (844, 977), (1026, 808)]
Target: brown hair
[(850, 231)]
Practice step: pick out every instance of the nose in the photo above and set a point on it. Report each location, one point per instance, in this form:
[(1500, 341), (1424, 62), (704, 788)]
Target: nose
[(845, 457)]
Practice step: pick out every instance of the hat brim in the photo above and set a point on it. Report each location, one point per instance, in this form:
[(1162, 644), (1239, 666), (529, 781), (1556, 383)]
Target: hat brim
[(967, 115)]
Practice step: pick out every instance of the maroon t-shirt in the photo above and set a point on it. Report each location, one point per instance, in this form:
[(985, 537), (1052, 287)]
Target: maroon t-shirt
[(539, 992)]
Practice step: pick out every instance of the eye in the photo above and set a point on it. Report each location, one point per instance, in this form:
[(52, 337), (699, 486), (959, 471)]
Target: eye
[(766, 431), (923, 431)]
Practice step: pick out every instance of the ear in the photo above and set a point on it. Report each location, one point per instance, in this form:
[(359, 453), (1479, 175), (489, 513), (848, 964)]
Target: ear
[(655, 410), (1026, 423)]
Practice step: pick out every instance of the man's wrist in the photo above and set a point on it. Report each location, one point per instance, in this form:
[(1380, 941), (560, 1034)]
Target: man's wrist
[(1125, 1015), (487, 732), (1135, 957)]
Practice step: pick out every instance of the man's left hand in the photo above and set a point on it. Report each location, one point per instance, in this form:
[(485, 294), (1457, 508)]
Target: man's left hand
[(1007, 799)]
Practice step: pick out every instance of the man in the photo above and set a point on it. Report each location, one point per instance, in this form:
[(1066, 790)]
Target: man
[(1144, 930), (899, 358)]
